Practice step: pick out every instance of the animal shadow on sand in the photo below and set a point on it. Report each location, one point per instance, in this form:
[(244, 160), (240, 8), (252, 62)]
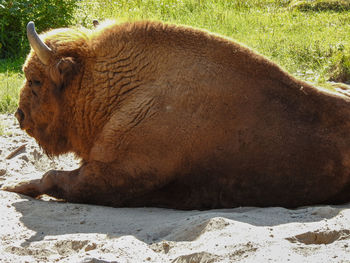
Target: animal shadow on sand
[(150, 225)]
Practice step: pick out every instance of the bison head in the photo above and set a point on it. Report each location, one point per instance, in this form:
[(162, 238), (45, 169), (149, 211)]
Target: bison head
[(51, 69)]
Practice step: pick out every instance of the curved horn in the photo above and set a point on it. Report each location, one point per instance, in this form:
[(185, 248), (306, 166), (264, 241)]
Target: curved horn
[(40, 48)]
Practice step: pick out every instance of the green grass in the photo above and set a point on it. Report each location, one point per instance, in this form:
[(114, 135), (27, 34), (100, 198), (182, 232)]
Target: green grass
[(310, 39), (11, 79)]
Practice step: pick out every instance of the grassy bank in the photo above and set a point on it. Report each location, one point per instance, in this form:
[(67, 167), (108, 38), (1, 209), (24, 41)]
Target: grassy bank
[(309, 39)]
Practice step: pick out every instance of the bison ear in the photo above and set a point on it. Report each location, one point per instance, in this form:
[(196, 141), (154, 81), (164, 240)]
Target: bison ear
[(63, 72)]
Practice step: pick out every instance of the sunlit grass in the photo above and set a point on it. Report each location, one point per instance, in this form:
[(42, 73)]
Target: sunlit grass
[(9, 90), (11, 79)]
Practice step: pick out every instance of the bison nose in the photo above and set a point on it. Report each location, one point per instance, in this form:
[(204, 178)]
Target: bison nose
[(19, 115)]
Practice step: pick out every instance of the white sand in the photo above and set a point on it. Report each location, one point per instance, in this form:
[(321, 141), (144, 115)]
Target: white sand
[(48, 231)]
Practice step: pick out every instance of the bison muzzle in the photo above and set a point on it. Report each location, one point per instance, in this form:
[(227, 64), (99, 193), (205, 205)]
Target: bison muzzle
[(171, 116)]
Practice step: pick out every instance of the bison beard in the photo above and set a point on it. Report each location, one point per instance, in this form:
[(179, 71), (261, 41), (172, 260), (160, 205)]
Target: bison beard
[(170, 116)]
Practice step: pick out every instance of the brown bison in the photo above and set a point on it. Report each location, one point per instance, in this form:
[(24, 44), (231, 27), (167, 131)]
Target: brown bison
[(170, 116)]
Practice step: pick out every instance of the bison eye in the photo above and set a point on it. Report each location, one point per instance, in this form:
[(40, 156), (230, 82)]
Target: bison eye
[(37, 83)]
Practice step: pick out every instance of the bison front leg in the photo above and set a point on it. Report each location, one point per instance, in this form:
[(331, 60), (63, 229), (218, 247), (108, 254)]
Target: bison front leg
[(54, 183), (93, 183)]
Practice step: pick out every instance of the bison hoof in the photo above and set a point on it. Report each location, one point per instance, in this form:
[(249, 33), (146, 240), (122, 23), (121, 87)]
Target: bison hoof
[(35, 188), (30, 188)]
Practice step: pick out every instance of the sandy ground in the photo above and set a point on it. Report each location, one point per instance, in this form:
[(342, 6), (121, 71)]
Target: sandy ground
[(49, 231)]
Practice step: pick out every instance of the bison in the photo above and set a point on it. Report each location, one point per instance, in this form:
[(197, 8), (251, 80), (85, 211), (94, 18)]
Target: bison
[(171, 116)]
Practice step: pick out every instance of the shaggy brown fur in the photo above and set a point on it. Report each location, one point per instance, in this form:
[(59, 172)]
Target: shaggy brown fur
[(171, 116)]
